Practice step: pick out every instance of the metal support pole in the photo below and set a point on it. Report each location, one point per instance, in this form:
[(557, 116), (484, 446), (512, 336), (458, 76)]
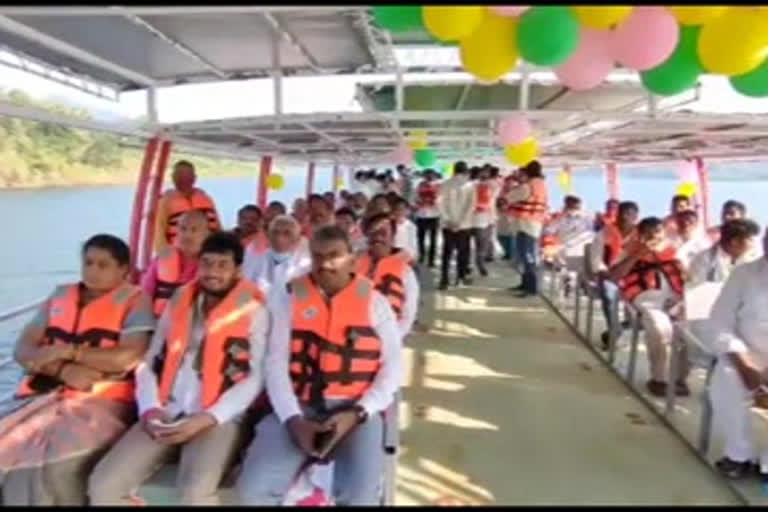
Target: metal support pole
[(277, 78), (336, 179), (139, 200), (612, 180), (590, 312), (525, 87), (266, 168), (674, 362), (399, 96), (310, 178), (633, 347), (154, 199), (152, 112), (703, 175)]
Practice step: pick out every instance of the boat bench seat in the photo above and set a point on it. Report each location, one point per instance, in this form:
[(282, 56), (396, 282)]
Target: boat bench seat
[(161, 488)]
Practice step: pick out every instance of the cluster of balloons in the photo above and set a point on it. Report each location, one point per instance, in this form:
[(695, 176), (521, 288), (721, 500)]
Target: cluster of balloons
[(669, 46), (513, 133), (275, 181)]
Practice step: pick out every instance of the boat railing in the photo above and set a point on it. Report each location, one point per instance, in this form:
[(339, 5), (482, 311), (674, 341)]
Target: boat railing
[(6, 360)]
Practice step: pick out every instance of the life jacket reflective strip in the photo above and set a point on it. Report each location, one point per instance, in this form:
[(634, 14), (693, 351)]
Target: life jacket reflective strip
[(427, 194), (483, 197), (169, 271), (97, 324), (335, 352), (645, 275), (226, 346), (256, 243), (614, 243), (388, 276), (178, 204), (535, 207)]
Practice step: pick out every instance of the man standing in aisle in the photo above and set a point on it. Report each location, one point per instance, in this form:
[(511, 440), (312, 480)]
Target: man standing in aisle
[(455, 206), (182, 198), (428, 215)]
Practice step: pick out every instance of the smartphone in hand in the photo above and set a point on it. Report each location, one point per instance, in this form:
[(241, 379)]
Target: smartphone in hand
[(323, 442)]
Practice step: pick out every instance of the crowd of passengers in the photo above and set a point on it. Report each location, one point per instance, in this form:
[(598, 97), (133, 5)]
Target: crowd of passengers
[(275, 348)]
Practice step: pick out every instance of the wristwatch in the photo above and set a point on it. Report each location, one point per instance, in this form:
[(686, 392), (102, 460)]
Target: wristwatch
[(362, 414)]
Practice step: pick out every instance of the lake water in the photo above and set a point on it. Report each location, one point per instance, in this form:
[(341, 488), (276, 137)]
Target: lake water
[(42, 230)]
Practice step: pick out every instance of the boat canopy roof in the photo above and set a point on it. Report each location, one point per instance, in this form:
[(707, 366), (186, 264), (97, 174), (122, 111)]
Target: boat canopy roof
[(147, 47)]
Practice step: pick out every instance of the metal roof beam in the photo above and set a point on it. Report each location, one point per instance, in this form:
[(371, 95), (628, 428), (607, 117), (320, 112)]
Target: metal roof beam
[(172, 10), (321, 133), (42, 39), (291, 39)]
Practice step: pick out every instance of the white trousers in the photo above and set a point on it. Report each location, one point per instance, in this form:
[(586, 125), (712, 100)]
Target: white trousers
[(658, 333)]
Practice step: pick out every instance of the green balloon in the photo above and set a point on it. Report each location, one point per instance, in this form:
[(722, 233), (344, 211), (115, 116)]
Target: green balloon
[(680, 71), (547, 35), (754, 83), (398, 18), (425, 157)]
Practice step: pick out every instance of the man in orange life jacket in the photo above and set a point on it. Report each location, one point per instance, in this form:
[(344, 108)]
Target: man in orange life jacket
[(177, 264), (609, 216), (198, 378), (333, 365), (485, 191), (250, 229), (182, 198), (651, 278), (427, 215), (390, 270), (76, 399)]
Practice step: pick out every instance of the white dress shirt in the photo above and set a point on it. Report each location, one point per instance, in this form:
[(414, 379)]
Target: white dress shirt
[(406, 239), (573, 231), (739, 317), (411, 303), (186, 392), (279, 386), (456, 202), (687, 249), (267, 273), (715, 265)]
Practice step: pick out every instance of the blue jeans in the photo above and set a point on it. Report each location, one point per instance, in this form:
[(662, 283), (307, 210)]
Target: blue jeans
[(609, 299), (528, 255)]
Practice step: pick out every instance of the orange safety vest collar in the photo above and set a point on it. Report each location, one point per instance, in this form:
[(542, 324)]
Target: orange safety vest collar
[(169, 271), (178, 204), (388, 275)]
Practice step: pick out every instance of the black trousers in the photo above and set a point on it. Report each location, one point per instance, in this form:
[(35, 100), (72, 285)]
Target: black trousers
[(455, 241), (427, 226)]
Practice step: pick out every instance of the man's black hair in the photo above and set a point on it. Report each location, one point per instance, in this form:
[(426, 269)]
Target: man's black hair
[(460, 167), (738, 229), (346, 211), (277, 204), (249, 208), (628, 205), (332, 233), (224, 242), (533, 169), (649, 224), (379, 217), (113, 245), (732, 204)]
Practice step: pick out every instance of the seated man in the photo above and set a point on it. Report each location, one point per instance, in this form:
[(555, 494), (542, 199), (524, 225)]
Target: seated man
[(177, 264), (573, 230), (689, 238), (608, 245), (347, 221), (200, 375), (274, 209), (285, 260), (735, 247), (609, 216), (739, 322), (333, 365), (250, 230), (405, 234), (651, 278), (732, 210), (679, 203), (390, 270), (77, 397)]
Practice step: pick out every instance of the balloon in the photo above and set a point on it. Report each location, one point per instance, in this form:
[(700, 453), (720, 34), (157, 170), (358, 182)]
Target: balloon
[(398, 18), (425, 157), (417, 139), (403, 154), (523, 153), (339, 182), (646, 38), (686, 171), (275, 181), (491, 51), (734, 43), (547, 35), (509, 10), (680, 71), (686, 189), (452, 23), (448, 170), (754, 83), (590, 63), (696, 14), (603, 16), (512, 130)]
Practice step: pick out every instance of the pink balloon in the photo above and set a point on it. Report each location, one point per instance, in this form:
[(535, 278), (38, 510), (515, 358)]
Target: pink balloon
[(646, 38), (686, 172), (509, 10), (402, 155), (590, 63), (513, 130)]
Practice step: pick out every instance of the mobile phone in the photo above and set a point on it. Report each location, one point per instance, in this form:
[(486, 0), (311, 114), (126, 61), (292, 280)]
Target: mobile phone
[(163, 424), (323, 440)]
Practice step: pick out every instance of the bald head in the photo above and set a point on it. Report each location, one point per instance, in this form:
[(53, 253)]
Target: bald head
[(193, 230)]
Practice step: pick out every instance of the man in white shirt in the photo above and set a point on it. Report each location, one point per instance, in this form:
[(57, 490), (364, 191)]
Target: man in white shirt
[(688, 238), (333, 365), (484, 193), (193, 396), (455, 205), (405, 237), (739, 322), (428, 215), (736, 246), (285, 259), (573, 230), (347, 220)]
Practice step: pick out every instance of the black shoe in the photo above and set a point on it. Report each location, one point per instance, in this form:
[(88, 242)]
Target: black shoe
[(732, 469), (656, 388), (523, 294), (518, 288), (681, 388), (489, 260), (466, 281), (443, 286), (483, 272), (431, 264), (605, 340)]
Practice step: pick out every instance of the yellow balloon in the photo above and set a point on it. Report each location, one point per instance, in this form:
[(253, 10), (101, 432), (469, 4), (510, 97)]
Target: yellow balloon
[(696, 14), (734, 43), (523, 153), (340, 183), (452, 23), (687, 189), (418, 139), (603, 16), (275, 181), (490, 52)]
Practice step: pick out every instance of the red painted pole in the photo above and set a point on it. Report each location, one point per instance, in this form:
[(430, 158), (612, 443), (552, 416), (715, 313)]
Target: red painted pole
[(139, 201), (703, 174), (612, 180), (266, 167), (154, 199), (310, 178)]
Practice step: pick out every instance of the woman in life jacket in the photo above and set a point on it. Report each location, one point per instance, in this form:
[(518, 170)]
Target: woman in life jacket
[(177, 264), (651, 278), (77, 396)]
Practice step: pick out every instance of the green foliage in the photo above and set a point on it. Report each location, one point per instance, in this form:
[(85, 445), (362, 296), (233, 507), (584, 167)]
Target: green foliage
[(38, 154)]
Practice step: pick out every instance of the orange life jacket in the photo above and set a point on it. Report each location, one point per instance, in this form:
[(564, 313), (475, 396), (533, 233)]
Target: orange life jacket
[(645, 275), (388, 276), (226, 346), (335, 352), (535, 207), (614, 243), (177, 204), (426, 194), (483, 197), (97, 324), (169, 272)]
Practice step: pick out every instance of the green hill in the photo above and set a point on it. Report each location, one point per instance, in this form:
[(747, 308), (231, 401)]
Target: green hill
[(37, 154)]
